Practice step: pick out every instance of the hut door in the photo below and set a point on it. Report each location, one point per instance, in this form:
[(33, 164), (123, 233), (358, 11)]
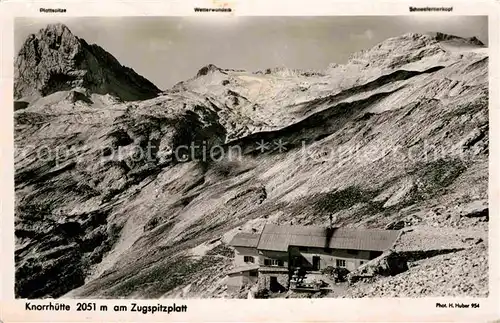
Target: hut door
[(316, 260), (274, 285)]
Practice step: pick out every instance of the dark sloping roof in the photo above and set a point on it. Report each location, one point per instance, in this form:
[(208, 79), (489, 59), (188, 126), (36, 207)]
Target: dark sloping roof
[(279, 237), (245, 240)]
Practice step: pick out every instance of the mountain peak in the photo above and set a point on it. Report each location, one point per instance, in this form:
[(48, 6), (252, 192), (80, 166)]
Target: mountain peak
[(208, 69), (57, 37), (438, 36), (57, 28), (56, 60), (409, 48)]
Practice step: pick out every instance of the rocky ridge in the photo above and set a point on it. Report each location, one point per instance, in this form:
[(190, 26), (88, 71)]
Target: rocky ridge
[(394, 137)]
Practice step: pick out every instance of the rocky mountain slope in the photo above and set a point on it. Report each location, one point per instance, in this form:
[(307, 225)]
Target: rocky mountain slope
[(126, 191)]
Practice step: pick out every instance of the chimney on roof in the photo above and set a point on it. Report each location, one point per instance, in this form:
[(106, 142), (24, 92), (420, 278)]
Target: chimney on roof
[(333, 219)]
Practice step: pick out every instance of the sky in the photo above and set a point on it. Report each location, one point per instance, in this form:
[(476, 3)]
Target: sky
[(167, 50)]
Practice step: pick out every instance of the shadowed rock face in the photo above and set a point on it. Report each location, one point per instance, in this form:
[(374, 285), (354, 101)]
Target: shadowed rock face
[(55, 60), (94, 220)]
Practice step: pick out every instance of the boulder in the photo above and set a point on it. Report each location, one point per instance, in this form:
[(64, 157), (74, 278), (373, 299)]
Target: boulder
[(390, 263)]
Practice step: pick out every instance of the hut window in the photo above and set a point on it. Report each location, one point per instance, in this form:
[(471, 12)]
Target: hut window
[(248, 259), (340, 263), (273, 262)]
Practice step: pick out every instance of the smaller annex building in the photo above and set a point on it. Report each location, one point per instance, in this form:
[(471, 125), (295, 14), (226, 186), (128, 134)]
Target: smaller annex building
[(271, 257)]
